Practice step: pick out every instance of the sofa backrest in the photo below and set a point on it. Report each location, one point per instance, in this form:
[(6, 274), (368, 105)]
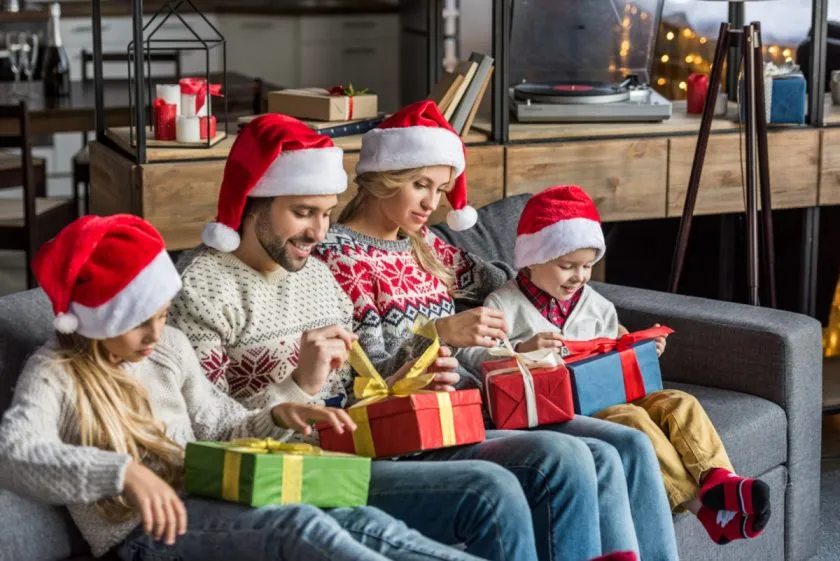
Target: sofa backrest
[(29, 530)]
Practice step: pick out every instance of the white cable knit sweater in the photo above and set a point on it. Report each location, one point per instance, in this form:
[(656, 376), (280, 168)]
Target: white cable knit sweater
[(39, 451)]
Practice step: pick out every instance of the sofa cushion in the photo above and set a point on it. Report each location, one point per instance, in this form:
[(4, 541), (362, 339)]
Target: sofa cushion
[(753, 429), (32, 530)]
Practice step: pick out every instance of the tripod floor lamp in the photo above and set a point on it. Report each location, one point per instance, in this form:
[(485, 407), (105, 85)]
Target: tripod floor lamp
[(757, 182)]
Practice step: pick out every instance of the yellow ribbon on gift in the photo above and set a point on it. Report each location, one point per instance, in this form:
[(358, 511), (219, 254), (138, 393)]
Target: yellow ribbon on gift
[(292, 465), (370, 387)]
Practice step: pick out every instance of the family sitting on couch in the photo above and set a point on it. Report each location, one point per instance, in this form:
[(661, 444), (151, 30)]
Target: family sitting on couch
[(249, 336)]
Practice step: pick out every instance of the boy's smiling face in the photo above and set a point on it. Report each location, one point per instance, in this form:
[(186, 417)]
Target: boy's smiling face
[(564, 276)]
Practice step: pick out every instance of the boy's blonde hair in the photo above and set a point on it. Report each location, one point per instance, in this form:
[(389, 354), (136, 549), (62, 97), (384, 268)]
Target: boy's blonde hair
[(387, 184), (114, 414)]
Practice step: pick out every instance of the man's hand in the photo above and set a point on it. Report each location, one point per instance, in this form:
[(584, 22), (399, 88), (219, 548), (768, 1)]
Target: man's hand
[(300, 417), (445, 367), (161, 509), (321, 352), (541, 341), (479, 327), (660, 342)]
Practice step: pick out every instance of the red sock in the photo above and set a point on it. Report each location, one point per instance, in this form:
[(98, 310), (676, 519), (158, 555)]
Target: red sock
[(618, 556), (723, 490), (726, 526)]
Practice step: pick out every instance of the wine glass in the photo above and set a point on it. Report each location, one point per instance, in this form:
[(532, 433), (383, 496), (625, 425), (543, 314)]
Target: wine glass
[(13, 47), (28, 58)]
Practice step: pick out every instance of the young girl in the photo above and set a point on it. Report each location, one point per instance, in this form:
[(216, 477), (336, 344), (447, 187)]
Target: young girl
[(558, 240), (101, 414), (394, 268)]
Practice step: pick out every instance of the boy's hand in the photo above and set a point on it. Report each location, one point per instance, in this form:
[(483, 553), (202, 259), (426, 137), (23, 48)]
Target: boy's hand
[(479, 327), (660, 342), (299, 417), (540, 341), (161, 509), (445, 366)]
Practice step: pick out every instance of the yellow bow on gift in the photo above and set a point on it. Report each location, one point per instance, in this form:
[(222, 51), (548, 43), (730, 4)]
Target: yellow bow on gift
[(370, 387), (270, 446)]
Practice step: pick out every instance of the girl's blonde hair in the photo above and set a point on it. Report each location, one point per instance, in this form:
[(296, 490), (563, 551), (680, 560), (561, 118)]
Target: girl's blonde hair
[(387, 184), (114, 414)]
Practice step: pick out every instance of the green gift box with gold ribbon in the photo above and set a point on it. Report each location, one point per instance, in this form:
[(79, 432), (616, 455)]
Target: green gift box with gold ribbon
[(259, 472)]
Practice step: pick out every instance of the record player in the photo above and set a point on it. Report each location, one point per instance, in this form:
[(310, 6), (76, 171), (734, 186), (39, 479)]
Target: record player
[(583, 62), (586, 102)]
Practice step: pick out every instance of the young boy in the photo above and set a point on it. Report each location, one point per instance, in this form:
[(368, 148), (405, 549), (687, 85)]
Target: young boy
[(559, 239)]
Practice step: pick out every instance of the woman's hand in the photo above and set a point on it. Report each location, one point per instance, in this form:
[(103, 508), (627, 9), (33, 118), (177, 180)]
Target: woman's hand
[(445, 366), (160, 507), (300, 417), (540, 341), (479, 327)]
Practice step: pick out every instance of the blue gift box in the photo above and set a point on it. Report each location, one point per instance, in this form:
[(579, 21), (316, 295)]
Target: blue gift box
[(789, 99), (598, 381)]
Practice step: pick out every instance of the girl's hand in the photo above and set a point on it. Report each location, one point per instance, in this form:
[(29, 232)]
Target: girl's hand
[(160, 507), (445, 365), (660, 342), (479, 327), (300, 417), (545, 340)]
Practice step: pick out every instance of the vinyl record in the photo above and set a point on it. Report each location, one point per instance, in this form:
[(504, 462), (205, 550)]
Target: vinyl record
[(570, 92)]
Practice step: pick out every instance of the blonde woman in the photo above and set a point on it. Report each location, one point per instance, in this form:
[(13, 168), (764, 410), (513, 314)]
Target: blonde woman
[(100, 416)]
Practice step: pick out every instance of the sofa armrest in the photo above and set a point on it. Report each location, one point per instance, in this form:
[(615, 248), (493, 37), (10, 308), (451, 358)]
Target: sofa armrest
[(768, 353)]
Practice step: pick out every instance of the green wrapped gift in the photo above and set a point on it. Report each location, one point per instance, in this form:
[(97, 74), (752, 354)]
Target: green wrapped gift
[(258, 472)]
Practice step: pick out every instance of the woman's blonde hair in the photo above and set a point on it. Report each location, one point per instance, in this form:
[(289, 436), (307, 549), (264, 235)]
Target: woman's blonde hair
[(114, 414), (387, 184)]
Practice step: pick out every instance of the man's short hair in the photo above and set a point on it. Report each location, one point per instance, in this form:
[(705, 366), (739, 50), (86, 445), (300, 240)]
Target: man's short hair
[(253, 205)]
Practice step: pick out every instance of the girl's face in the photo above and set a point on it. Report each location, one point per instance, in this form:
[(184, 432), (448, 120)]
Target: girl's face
[(137, 344), (564, 276), (411, 207)]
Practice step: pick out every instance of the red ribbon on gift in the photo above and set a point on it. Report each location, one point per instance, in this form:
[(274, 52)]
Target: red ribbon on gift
[(199, 88), (634, 385), (339, 91), (164, 119)]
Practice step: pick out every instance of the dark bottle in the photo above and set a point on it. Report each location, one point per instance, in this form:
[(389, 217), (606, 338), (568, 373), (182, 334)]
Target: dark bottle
[(56, 66)]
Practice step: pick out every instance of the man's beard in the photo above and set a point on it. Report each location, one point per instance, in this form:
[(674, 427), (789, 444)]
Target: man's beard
[(276, 247)]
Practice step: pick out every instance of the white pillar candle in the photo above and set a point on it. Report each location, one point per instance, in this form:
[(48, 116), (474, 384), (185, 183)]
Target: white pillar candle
[(188, 106), (171, 94), (188, 129)]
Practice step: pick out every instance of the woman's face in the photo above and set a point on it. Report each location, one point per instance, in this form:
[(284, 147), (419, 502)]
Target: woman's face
[(411, 207), (137, 344)]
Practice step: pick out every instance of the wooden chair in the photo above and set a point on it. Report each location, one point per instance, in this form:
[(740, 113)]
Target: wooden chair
[(81, 159), (28, 222)]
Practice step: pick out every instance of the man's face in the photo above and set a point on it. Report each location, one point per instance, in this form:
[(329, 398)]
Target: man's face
[(289, 229)]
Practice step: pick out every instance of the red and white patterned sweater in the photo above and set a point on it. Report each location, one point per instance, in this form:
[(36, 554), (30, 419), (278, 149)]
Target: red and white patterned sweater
[(246, 327), (389, 289)]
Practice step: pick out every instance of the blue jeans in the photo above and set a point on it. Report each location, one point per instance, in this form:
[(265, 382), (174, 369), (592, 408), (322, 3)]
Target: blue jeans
[(219, 531), (478, 504), (561, 479), (652, 516)]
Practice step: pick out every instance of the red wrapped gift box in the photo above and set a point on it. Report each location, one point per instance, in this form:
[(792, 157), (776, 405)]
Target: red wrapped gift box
[(509, 390), (401, 425), (165, 115)]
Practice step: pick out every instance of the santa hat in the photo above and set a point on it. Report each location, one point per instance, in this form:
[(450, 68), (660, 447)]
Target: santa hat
[(105, 275), (418, 136), (273, 156), (556, 222)]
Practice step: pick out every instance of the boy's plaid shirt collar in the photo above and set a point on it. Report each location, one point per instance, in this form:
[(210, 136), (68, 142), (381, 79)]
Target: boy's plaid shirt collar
[(554, 310)]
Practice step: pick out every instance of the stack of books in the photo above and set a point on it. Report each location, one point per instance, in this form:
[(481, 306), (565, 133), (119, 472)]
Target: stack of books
[(458, 94)]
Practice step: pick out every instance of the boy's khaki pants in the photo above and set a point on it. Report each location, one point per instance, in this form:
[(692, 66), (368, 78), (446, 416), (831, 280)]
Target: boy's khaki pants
[(686, 443)]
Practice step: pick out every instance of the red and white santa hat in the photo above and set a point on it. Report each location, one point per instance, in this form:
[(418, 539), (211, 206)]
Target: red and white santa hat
[(105, 275), (555, 222), (416, 136), (273, 155)]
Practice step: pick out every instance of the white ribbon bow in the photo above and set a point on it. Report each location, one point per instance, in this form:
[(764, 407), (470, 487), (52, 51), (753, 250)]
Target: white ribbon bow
[(524, 362)]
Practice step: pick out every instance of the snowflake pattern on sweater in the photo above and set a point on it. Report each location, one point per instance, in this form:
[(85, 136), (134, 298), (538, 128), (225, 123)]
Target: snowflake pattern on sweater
[(246, 326), (390, 289)]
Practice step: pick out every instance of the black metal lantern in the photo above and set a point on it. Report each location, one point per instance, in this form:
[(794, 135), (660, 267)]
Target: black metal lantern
[(141, 87)]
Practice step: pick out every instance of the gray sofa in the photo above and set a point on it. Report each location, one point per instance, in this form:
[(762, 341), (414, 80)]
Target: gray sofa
[(757, 371)]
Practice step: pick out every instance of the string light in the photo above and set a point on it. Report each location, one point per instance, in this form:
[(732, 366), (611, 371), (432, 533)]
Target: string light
[(687, 32), (665, 58), (786, 52), (788, 59), (644, 16), (625, 45), (634, 10), (773, 50), (703, 40), (683, 86), (689, 59), (669, 36), (626, 23), (661, 81)]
